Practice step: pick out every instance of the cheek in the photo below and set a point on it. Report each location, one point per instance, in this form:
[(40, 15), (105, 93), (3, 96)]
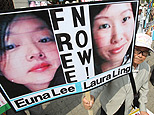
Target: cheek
[(2, 67), (101, 36), (129, 29), (129, 40), (53, 56), (129, 36), (11, 66), (101, 39), (2, 63), (6, 64), (10, 71), (49, 47), (138, 60)]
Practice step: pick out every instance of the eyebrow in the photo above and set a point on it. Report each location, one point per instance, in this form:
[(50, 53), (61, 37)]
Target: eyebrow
[(36, 29), (99, 17)]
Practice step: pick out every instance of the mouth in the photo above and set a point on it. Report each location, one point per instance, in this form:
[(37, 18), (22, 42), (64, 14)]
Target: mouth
[(40, 67), (117, 50)]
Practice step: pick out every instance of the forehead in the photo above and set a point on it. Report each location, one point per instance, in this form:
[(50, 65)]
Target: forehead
[(120, 8), (25, 25), (142, 48)]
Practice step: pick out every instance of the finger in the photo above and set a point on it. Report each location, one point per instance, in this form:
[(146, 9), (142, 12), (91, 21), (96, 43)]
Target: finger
[(85, 100), (91, 103), (87, 107)]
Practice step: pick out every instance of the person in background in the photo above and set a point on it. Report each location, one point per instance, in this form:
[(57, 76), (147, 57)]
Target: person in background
[(32, 4), (117, 96), (43, 3), (140, 21), (151, 15)]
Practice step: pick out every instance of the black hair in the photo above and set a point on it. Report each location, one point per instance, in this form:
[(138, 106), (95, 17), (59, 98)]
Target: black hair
[(4, 22)]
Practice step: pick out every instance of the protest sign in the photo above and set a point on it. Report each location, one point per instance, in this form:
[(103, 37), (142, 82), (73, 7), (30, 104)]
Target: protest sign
[(51, 52)]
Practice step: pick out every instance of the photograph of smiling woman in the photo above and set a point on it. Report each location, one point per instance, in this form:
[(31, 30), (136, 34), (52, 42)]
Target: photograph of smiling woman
[(29, 56), (107, 24)]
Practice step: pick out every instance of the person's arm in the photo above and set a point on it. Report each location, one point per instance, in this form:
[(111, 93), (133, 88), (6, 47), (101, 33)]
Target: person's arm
[(152, 75), (95, 92), (143, 95)]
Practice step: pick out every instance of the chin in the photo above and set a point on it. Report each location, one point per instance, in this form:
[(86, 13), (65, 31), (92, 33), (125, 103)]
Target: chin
[(118, 58)]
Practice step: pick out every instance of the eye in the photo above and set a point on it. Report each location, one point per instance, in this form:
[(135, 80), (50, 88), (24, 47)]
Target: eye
[(104, 26), (10, 47), (125, 19), (46, 39), (137, 49)]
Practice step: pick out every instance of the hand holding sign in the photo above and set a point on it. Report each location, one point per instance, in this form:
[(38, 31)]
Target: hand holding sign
[(88, 101)]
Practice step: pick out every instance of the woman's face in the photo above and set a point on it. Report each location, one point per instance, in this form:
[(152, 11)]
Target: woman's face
[(113, 31), (31, 55)]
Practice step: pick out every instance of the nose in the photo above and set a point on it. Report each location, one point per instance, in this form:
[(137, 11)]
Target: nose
[(117, 34), (34, 53), (140, 54)]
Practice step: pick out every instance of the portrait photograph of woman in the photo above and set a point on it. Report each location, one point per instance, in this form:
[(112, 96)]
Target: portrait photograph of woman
[(29, 59), (113, 32)]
